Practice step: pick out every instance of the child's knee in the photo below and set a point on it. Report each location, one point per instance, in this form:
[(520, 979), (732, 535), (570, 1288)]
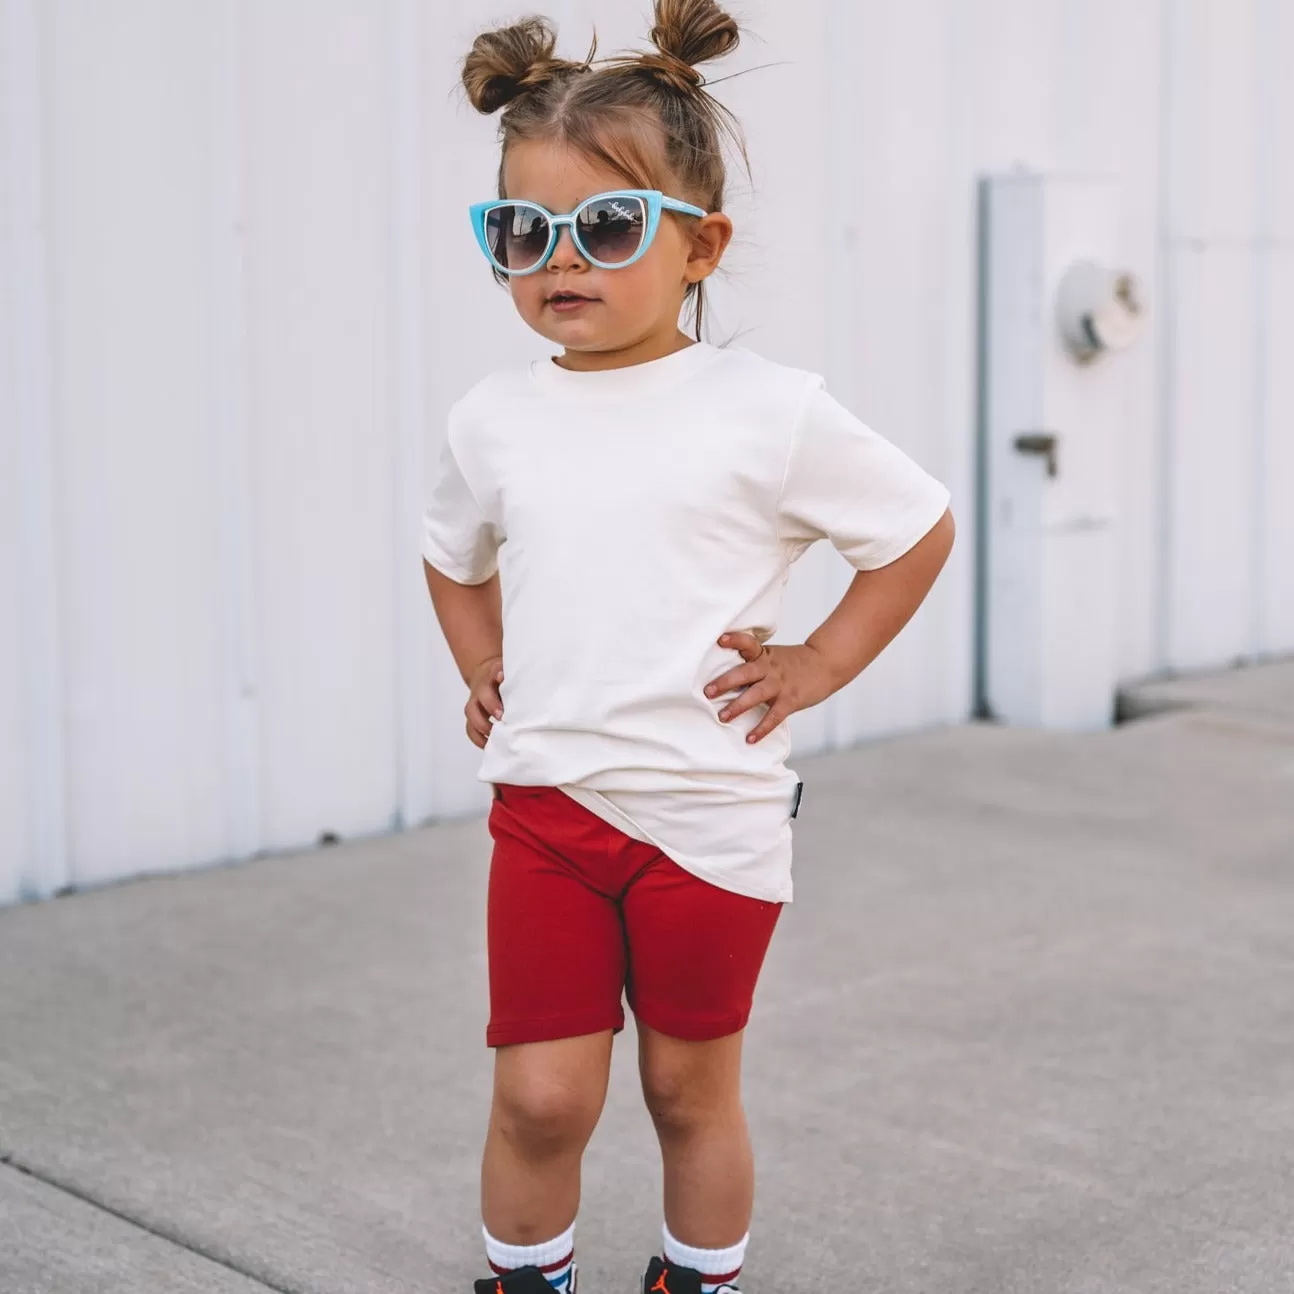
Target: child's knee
[(682, 1101), (672, 1107), (544, 1116)]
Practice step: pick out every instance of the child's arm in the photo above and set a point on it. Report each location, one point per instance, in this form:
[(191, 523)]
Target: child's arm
[(877, 604), (471, 618)]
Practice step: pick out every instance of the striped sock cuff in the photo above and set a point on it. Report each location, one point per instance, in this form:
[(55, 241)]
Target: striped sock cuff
[(553, 1257), (717, 1266)]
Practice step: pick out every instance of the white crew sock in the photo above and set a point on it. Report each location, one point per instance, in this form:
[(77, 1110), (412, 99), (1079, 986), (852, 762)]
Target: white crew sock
[(719, 1268), (555, 1258)]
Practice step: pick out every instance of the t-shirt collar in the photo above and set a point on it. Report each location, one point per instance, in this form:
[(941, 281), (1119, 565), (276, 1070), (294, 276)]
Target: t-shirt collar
[(634, 379)]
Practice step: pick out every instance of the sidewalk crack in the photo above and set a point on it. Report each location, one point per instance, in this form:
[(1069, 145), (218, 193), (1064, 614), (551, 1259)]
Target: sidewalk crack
[(7, 1158)]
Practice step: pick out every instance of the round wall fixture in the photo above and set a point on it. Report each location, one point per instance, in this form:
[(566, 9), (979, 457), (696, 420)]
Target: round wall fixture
[(1099, 310)]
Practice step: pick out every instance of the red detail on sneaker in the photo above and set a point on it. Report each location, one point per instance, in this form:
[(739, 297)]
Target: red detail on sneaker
[(660, 1283)]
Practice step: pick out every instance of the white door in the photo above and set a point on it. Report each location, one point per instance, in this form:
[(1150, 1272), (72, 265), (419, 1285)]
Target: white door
[(1051, 413)]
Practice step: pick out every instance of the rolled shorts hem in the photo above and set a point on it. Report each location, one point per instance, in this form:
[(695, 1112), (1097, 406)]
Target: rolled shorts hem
[(552, 1028), (690, 1028)]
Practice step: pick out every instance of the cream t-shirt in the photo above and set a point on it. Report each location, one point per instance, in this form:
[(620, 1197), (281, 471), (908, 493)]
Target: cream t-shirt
[(635, 515)]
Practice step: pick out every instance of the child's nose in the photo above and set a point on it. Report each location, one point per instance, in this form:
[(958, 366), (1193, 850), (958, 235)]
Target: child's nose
[(565, 253)]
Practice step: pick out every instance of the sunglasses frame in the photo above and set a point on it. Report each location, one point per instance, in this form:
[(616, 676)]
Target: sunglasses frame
[(653, 199)]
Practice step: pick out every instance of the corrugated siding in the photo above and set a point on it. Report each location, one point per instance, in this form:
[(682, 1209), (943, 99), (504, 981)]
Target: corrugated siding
[(239, 294)]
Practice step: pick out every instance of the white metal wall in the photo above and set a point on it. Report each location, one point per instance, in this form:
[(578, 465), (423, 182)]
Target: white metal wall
[(238, 294), (1228, 415)]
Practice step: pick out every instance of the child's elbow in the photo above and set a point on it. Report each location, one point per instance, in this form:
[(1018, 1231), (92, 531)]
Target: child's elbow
[(945, 532)]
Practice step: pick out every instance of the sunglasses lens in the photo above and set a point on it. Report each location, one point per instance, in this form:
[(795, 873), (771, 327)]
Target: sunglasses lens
[(612, 229), (517, 235)]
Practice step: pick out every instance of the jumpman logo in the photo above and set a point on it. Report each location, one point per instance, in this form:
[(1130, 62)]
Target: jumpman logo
[(660, 1285)]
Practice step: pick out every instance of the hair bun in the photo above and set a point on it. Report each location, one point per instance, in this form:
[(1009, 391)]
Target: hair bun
[(688, 32), (508, 61)]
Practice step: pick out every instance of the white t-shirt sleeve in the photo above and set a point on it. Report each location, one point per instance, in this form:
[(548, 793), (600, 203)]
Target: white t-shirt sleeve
[(846, 483), (458, 539)]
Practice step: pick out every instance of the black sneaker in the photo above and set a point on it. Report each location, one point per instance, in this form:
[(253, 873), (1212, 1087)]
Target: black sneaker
[(665, 1278), (525, 1280)]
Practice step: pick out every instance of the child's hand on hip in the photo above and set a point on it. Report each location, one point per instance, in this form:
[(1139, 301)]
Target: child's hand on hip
[(483, 701), (786, 679)]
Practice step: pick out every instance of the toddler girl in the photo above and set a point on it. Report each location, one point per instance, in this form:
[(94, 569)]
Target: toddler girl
[(606, 546)]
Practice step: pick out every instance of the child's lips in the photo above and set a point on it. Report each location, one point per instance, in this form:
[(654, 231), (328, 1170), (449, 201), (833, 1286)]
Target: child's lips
[(564, 305)]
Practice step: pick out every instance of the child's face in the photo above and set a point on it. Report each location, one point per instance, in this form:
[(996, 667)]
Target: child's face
[(625, 306)]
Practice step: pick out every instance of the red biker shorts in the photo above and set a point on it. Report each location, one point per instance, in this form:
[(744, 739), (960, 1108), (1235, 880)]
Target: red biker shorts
[(580, 914)]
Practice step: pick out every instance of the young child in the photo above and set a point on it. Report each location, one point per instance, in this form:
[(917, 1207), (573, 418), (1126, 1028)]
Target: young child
[(606, 546)]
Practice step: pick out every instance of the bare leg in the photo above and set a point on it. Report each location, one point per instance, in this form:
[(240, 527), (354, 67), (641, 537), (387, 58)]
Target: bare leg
[(548, 1097), (693, 1093)]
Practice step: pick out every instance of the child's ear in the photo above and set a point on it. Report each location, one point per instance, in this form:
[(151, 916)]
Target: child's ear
[(710, 238)]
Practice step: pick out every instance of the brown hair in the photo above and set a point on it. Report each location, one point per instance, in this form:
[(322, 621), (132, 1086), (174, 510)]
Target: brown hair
[(646, 116)]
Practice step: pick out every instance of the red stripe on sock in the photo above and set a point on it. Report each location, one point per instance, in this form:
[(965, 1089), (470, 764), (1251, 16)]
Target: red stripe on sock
[(552, 1267), (721, 1280)]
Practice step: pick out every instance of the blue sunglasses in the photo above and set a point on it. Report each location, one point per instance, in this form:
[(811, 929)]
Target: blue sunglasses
[(610, 230)]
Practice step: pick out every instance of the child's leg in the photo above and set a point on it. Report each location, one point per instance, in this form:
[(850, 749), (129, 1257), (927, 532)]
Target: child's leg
[(693, 1092), (547, 1100), (695, 953), (557, 969)]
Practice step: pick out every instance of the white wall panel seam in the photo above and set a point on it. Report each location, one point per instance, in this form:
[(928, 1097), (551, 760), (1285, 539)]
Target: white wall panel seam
[(43, 869), (1166, 270), (232, 428), (963, 255), (1262, 125), (842, 357), (408, 414)]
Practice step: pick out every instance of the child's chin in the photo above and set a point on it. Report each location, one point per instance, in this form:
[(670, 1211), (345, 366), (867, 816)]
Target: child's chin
[(574, 334)]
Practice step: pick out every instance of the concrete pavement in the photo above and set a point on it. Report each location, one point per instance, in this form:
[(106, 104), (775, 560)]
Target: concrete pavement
[(1028, 1027)]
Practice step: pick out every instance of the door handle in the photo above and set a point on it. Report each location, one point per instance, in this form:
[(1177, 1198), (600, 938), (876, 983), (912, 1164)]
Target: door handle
[(1042, 443)]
